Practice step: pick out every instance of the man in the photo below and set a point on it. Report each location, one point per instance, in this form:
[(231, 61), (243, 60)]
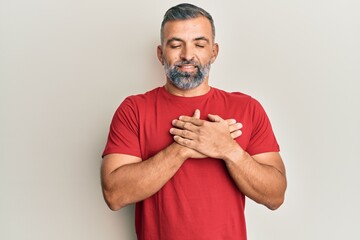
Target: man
[(171, 152)]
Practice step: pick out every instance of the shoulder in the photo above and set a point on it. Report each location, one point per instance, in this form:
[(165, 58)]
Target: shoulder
[(238, 102), (143, 96), (138, 100), (236, 97)]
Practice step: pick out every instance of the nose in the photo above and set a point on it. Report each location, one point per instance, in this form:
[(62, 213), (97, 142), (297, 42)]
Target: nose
[(187, 53)]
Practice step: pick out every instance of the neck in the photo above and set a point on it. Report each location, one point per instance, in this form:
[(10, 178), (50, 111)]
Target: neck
[(202, 89)]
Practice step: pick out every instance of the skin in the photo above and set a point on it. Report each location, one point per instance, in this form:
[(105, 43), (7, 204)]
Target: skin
[(127, 179), (188, 40)]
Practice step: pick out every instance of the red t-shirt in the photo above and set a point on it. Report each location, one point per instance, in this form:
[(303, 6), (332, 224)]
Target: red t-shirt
[(200, 201)]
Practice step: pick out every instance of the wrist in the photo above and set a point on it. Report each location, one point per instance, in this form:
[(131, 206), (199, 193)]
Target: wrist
[(180, 151), (235, 154)]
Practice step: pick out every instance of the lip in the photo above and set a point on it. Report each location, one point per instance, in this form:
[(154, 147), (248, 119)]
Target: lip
[(187, 67)]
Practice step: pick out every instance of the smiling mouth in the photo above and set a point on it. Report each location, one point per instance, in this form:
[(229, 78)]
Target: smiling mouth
[(187, 67)]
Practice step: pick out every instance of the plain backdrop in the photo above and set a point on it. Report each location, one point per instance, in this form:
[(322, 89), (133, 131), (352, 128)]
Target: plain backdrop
[(65, 66)]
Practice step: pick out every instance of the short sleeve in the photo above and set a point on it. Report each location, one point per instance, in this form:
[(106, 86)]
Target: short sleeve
[(123, 136), (262, 137)]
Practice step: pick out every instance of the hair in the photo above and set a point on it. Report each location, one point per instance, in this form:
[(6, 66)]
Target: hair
[(185, 11)]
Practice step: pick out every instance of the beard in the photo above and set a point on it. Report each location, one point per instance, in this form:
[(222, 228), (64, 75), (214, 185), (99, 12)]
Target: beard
[(186, 80)]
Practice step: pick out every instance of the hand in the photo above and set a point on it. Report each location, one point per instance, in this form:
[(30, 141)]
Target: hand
[(191, 152), (211, 138)]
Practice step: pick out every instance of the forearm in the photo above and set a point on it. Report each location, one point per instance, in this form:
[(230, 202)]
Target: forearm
[(262, 183), (261, 179), (134, 182)]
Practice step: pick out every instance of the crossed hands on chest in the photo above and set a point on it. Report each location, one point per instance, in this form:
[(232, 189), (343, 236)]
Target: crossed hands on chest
[(207, 138)]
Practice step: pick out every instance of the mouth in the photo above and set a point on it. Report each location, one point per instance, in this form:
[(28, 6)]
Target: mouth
[(187, 67)]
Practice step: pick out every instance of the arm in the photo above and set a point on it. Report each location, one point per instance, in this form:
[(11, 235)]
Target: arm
[(260, 177), (127, 179)]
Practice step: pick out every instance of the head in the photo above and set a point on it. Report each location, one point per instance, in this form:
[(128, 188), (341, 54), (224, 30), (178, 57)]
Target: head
[(187, 47), (185, 11)]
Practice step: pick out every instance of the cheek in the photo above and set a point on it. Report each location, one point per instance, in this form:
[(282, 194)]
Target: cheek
[(206, 58), (171, 60)]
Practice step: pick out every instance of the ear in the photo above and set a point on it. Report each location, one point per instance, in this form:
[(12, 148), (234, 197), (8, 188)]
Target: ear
[(160, 54), (215, 52)]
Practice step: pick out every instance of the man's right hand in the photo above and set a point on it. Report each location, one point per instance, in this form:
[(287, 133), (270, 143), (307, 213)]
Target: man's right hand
[(234, 129)]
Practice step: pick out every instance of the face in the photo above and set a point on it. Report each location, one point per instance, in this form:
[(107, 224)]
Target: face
[(187, 51)]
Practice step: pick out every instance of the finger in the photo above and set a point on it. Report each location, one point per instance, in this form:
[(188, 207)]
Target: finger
[(234, 127), (215, 118), (236, 134), (183, 133), (184, 125), (195, 121), (183, 141), (197, 114), (230, 121)]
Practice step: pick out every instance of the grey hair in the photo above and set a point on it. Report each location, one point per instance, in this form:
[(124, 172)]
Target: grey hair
[(185, 11)]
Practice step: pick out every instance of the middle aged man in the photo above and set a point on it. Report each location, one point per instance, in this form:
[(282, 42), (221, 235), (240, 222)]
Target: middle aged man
[(171, 152)]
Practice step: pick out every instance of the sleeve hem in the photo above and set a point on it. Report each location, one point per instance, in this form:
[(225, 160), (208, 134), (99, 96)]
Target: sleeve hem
[(263, 150), (119, 151)]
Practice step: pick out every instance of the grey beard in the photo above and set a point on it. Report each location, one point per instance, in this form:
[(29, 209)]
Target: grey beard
[(186, 80)]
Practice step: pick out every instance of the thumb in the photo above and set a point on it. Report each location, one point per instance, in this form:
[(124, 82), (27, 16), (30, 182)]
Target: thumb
[(215, 118), (197, 114)]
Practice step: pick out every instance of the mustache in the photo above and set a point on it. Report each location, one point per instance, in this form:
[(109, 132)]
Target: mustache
[(180, 63)]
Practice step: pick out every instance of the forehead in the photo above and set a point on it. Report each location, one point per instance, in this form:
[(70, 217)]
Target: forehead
[(188, 29)]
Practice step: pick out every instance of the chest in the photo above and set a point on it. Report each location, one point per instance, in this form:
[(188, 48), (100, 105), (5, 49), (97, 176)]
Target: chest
[(155, 121)]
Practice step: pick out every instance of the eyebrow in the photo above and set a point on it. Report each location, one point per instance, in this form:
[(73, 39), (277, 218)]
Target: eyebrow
[(202, 39), (176, 39)]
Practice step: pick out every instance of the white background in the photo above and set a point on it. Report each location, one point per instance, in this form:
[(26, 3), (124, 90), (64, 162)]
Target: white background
[(66, 65)]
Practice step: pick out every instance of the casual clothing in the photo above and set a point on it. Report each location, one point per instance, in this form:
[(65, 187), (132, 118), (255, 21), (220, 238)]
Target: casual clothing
[(201, 201)]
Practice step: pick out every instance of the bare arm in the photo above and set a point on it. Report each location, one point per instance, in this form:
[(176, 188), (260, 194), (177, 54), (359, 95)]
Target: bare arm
[(127, 179), (260, 177)]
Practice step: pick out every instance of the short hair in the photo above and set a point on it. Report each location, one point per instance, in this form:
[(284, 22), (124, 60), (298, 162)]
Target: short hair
[(185, 11)]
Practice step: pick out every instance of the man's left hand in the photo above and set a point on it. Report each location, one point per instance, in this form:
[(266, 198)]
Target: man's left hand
[(213, 138)]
